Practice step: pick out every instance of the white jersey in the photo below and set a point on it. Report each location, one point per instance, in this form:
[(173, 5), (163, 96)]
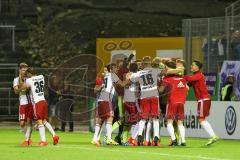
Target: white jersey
[(36, 84), (24, 97), (108, 89), (130, 93), (148, 79)]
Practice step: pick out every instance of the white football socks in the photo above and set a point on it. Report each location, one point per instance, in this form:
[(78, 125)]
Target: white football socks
[(42, 132), (49, 127), (96, 133), (135, 131), (28, 133), (208, 128), (182, 132), (148, 131), (156, 128), (109, 130), (171, 131), (141, 126)]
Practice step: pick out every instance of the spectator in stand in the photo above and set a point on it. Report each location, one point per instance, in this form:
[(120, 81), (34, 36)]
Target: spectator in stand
[(227, 91), (66, 107), (53, 98), (235, 41)]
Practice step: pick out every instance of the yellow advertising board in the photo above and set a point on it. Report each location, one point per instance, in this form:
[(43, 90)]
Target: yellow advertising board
[(143, 47)]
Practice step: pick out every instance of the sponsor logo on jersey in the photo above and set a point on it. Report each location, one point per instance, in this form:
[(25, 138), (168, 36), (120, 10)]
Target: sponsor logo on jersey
[(180, 85)]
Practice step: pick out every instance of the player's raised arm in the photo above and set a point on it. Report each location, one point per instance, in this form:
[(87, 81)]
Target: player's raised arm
[(192, 78), (123, 83), (177, 71)]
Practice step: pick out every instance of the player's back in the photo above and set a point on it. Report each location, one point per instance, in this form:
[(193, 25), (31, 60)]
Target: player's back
[(130, 93), (148, 79), (36, 84), (178, 92)]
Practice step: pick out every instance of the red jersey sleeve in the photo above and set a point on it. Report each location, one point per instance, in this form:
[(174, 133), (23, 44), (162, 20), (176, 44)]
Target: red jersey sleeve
[(194, 77), (99, 81)]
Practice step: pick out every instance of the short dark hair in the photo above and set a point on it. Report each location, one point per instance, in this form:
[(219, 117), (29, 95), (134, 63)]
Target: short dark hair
[(198, 63), (171, 64), (110, 66), (133, 67)]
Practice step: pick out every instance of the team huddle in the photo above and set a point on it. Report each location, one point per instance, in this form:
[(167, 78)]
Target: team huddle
[(33, 105), (136, 95), (133, 96)]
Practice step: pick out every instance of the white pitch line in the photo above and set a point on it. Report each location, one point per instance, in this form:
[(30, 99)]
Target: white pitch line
[(140, 152)]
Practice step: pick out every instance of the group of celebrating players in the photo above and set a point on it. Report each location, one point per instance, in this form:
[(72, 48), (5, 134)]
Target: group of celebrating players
[(137, 90), (139, 87), (33, 105)]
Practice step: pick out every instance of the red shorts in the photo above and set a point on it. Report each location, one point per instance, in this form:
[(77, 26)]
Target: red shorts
[(41, 110), (175, 111), (204, 108), (131, 112), (25, 112), (104, 110), (149, 107)]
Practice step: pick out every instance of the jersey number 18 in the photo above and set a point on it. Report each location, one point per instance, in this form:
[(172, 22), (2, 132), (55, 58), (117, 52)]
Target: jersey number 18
[(147, 79)]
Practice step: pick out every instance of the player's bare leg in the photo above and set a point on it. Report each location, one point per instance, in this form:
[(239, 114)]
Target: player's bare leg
[(51, 130), (171, 133), (96, 136), (28, 132), (41, 128), (208, 128), (109, 132), (22, 125), (181, 129)]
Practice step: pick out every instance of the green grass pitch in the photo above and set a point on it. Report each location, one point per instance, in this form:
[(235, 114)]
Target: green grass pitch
[(77, 146)]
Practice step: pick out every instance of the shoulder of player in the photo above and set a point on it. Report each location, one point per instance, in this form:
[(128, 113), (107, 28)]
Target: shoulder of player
[(16, 79), (178, 78), (40, 76), (28, 80), (37, 76), (200, 75)]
